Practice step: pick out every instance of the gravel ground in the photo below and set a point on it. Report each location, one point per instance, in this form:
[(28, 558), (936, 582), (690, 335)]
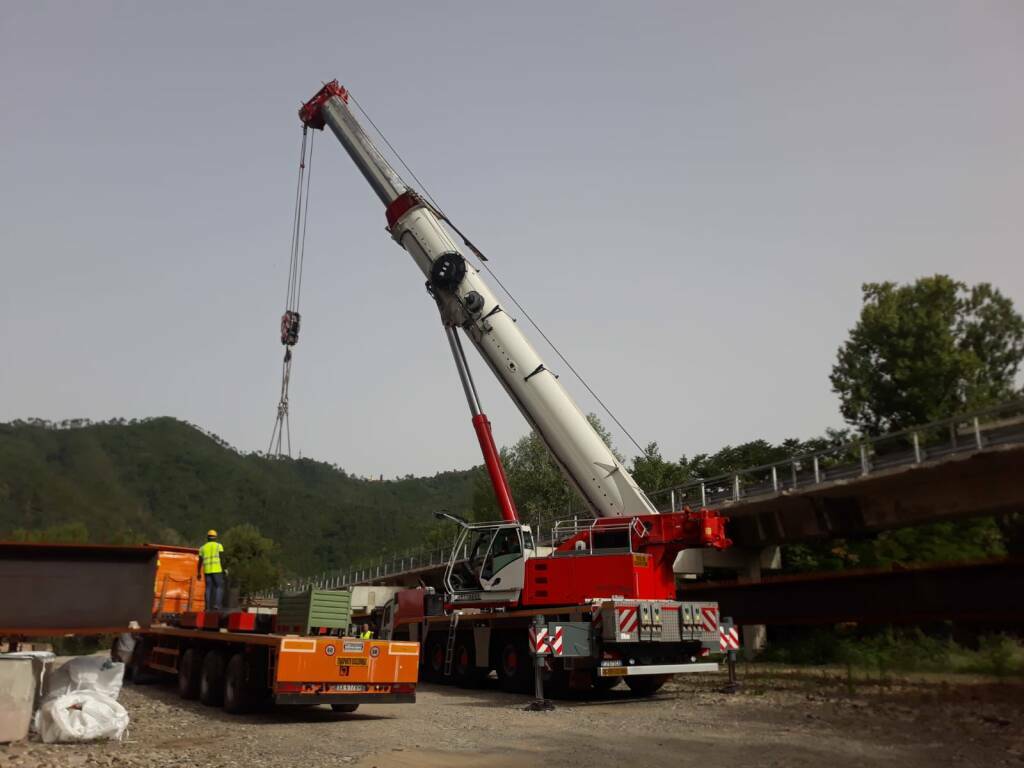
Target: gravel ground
[(780, 718)]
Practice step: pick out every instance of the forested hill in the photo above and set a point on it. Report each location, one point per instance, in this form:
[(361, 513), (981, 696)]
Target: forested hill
[(162, 480)]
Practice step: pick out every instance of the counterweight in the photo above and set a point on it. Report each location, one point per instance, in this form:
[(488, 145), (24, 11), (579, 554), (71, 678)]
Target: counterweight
[(466, 302)]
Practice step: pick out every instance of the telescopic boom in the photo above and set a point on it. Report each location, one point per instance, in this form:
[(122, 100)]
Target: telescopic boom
[(466, 302)]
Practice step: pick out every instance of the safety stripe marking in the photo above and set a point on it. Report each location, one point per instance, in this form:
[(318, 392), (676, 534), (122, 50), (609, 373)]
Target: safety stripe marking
[(709, 618), (627, 619), (556, 642)]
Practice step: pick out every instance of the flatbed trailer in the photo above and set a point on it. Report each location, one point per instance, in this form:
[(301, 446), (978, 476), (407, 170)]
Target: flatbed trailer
[(242, 670)]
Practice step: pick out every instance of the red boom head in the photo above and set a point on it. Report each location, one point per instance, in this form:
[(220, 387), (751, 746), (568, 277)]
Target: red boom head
[(309, 113)]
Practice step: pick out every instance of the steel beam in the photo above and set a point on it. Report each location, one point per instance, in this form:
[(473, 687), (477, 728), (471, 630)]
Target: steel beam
[(58, 589), (986, 591)]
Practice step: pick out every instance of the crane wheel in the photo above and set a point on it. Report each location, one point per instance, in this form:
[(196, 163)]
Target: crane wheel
[(603, 684), (648, 685), (433, 661), (190, 671), (238, 694), (211, 681), (345, 708), (464, 669), (515, 666)]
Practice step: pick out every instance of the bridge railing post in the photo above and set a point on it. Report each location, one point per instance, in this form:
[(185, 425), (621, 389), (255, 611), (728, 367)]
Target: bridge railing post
[(736, 487), (703, 494), (865, 467), (775, 478), (917, 448), (977, 434), (817, 471)]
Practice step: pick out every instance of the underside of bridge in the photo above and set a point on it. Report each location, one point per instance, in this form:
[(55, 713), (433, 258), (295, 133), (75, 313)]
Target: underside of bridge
[(983, 483)]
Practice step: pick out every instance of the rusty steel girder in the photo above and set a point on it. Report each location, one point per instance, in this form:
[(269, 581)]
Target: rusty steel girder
[(60, 589), (991, 591)]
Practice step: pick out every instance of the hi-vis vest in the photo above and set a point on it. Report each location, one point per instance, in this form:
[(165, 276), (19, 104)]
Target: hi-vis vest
[(210, 552)]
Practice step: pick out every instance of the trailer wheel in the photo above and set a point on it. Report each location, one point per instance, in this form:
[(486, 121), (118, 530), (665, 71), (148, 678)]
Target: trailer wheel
[(648, 685), (464, 669), (211, 682), (238, 696), (515, 666), (190, 672), (344, 707), (137, 670)]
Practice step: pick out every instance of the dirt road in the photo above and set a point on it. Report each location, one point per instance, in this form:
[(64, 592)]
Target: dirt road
[(779, 719)]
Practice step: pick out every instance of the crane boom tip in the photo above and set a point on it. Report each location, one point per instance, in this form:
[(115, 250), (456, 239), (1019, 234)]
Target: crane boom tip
[(309, 113)]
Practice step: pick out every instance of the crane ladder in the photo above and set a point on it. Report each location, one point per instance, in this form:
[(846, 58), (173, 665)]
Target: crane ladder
[(449, 653)]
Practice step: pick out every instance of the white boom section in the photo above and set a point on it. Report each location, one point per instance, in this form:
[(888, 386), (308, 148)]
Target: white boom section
[(586, 461)]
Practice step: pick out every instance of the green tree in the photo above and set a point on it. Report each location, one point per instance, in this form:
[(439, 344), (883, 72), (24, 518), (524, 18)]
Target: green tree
[(62, 533), (921, 352), (924, 351), (652, 472), (251, 559)]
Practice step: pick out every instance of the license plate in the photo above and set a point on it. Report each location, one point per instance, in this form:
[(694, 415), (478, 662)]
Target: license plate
[(349, 687), (614, 672), (350, 661)]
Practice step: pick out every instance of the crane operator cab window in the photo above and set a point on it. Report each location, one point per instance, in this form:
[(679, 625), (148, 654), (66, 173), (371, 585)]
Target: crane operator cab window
[(495, 561)]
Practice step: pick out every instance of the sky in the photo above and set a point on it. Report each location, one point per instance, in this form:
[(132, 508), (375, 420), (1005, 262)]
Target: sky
[(686, 196)]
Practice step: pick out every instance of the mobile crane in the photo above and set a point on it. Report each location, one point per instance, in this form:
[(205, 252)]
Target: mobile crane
[(606, 587)]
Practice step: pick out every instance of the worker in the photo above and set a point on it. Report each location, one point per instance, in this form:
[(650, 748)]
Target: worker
[(211, 565), (366, 633)]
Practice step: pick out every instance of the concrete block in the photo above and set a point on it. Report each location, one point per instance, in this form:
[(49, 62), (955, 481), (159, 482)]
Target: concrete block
[(17, 697)]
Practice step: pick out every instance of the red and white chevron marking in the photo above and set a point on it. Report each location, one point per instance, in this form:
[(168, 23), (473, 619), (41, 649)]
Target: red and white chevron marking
[(596, 621), (728, 639), (629, 617), (556, 641), (539, 641), (709, 618)]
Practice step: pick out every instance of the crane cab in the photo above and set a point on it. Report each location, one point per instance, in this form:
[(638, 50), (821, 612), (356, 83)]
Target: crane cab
[(488, 563)]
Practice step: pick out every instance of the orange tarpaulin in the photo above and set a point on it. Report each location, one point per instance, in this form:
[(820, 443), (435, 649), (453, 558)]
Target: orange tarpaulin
[(176, 589)]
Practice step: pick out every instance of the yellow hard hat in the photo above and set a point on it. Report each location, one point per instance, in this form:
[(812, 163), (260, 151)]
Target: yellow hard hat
[(211, 534)]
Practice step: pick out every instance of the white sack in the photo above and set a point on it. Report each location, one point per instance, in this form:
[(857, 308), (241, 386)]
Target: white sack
[(81, 716), (85, 673)]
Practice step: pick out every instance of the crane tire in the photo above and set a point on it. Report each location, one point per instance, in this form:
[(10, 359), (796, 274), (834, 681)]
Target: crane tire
[(515, 665), (648, 685), (464, 669), (433, 661)]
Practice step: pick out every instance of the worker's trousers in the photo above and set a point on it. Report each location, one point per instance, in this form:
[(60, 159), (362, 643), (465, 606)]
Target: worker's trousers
[(215, 591)]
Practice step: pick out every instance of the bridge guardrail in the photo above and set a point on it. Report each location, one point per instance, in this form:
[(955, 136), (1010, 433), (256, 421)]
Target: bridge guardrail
[(863, 456)]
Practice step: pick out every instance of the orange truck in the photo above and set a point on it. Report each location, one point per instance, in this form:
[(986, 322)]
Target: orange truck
[(239, 660)]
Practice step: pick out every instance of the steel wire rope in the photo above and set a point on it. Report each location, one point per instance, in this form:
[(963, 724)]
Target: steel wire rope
[(305, 222), (485, 264), (282, 426)]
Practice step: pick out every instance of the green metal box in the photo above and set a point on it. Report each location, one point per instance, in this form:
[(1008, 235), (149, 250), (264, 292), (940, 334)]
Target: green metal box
[(309, 611)]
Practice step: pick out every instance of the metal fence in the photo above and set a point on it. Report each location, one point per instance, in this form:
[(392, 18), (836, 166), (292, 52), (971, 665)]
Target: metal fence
[(861, 457)]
